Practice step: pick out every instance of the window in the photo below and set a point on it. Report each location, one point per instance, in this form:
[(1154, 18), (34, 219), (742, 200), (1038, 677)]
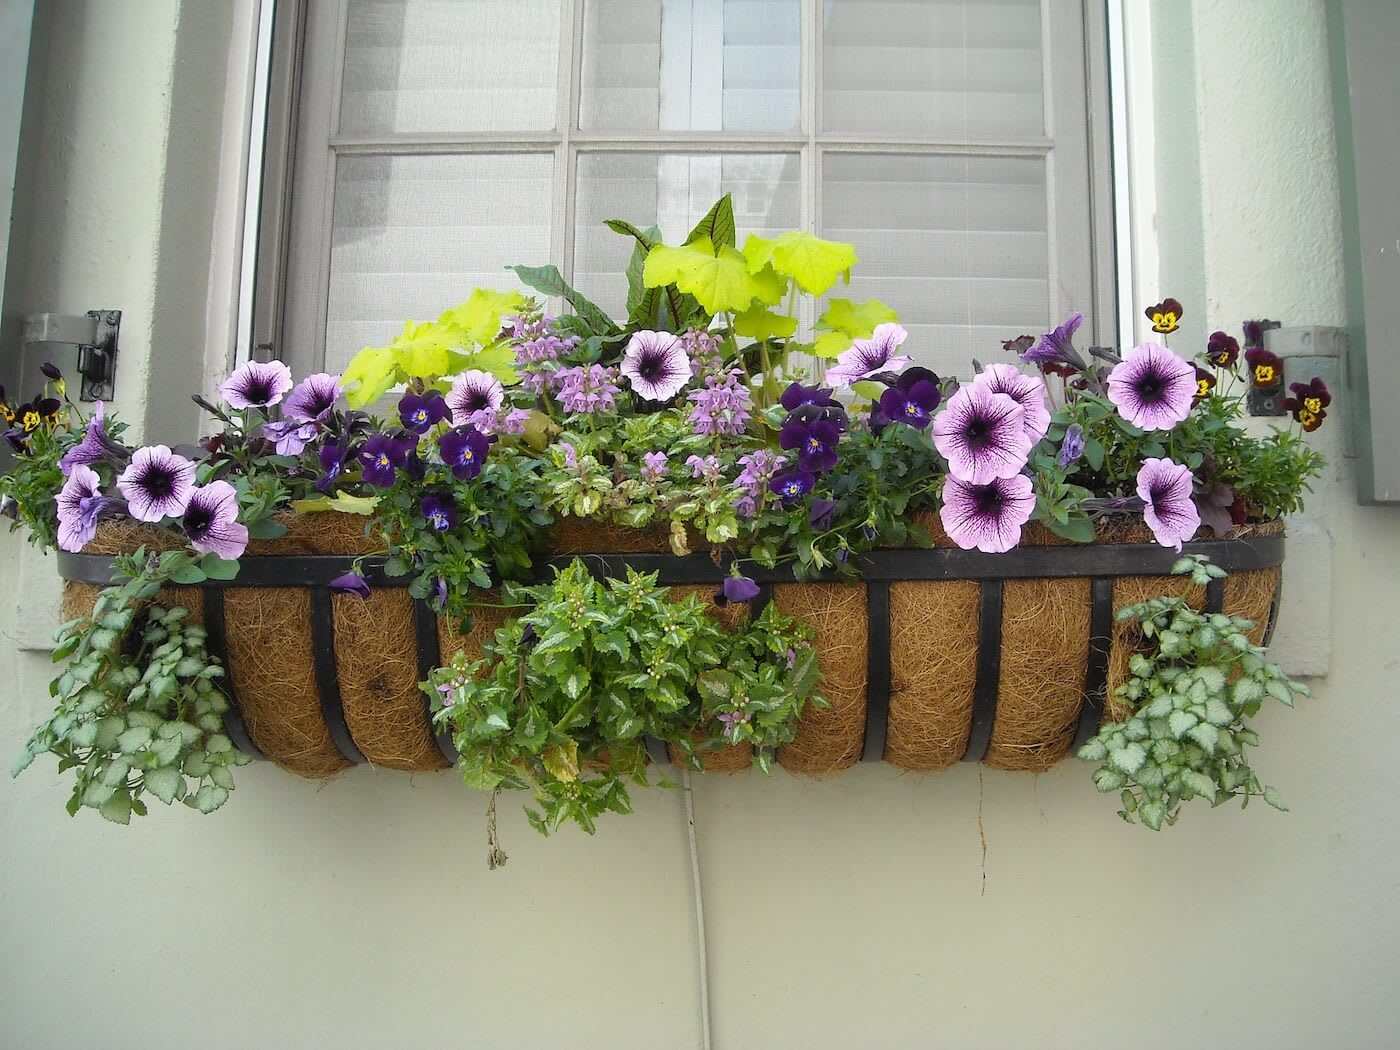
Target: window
[(437, 141)]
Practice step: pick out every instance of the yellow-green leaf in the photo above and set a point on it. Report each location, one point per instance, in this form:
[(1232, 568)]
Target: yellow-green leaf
[(561, 760), (855, 319), (480, 316), (759, 322), (369, 374), (869, 389), (343, 502), (420, 351), (772, 286), (812, 262), (498, 360), (830, 344), (758, 251), (719, 282)]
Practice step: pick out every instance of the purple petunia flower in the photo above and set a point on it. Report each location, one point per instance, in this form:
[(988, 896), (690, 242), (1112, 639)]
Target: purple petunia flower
[(1152, 387), (867, 357), (792, 485), (1026, 391), (351, 583), (380, 459), (1056, 347), (654, 466), (289, 436), (211, 521), (739, 589), (722, 407), (475, 398), (656, 365), (421, 412), (982, 435), (1072, 447), (156, 483), (587, 388), (80, 505), (464, 450), (96, 446), (813, 440), (987, 517), (1165, 488), (314, 398), (256, 384), (440, 510), (796, 395), (911, 400)]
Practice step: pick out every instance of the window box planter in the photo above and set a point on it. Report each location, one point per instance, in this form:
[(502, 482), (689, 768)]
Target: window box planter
[(933, 656)]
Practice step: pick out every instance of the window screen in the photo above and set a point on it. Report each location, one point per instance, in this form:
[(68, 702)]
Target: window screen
[(439, 140)]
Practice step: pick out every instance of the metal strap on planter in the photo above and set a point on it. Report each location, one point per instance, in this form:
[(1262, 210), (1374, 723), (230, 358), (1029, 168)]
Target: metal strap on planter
[(218, 647), (425, 632), (876, 569)]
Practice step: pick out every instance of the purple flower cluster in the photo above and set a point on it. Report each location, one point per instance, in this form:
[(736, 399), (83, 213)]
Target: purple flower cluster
[(812, 431), (587, 388), (536, 340), (753, 480), (654, 467), (702, 348), (722, 407)]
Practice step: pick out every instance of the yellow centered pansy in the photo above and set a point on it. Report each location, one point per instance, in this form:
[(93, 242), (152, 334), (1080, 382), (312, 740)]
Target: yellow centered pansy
[(1203, 387), (1308, 418), (1312, 404), (30, 420), (1165, 322), (1264, 375)]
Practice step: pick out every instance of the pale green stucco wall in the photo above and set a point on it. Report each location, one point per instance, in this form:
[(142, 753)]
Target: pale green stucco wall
[(851, 912)]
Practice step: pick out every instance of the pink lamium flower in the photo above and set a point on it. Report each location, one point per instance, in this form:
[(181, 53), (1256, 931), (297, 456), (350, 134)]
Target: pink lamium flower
[(1026, 391), (256, 384), (987, 517), (1165, 488), (656, 365), (982, 435), (211, 521), (157, 483), (1152, 387), (868, 357)]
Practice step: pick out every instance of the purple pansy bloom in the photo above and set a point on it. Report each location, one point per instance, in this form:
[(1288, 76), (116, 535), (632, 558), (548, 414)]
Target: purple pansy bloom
[(987, 517), (1026, 391), (464, 451), (1165, 488), (351, 583), (911, 400), (475, 398), (792, 485), (211, 521), (739, 589), (982, 435), (1152, 387), (289, 436), (656, 365), (796, 395), (80, 504), (314, 398), (1072, 447), (421, 412), (156, 483), (96, 446), (821, 513), (813, 440), (332, 459), (654, 466), (1056, 347), (440, 510), (867, 357), (380, 459), (256, 384)]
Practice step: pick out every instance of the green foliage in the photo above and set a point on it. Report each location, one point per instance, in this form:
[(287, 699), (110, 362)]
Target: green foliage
[(565, 694), (139, 710), (1195, 682)]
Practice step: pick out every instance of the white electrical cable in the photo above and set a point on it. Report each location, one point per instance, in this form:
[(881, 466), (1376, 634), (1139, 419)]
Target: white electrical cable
[(701, 960)]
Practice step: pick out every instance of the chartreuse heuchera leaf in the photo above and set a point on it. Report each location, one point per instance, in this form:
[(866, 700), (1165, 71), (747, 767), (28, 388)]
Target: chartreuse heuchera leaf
[(845, 321), (815, 264), (759, 322), (719, 280)]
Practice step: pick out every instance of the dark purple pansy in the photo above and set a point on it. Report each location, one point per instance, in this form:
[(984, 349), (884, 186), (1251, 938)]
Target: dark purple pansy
[(1253, 333), (1152, 387), (51, 372), (982, 435), (380, 459), (822, 512), (814, 442), (211, 521), (313, 400), (1222, 349), (792, 485), (1265, 368), (1057, 347), (796, 395), (987, 517), (1308, 403), (332, 459), (1165, 316), (1205, 383), (440, 511), (256, 384), (421, 412), (912, 399), (739, 589), (1170, 512), (464, 450), (156, 483), (656, 365), (96, 446), (351, 583)]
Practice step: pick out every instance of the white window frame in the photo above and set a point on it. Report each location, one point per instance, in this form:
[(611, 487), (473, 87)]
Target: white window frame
[(300, 149)]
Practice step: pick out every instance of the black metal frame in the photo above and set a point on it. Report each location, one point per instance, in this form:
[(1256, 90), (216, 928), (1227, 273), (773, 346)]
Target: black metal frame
[(876, 569)]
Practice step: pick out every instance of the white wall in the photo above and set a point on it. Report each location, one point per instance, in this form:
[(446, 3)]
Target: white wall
[(856, 911)]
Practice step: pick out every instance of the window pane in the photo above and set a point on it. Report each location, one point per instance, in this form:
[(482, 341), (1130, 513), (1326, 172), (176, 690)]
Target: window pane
[(691, 65), (963, 69), (450, 65), (674, 191), (957, 245), (413, 235)]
